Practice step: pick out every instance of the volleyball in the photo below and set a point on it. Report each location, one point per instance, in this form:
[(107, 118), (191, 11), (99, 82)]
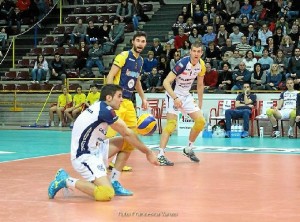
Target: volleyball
[(146, 124)]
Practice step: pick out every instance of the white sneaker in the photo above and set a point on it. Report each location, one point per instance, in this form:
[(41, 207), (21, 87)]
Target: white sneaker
[(275, 134), (52, 123), (72, 124), (291, 132), (60, 124), (32, 81)]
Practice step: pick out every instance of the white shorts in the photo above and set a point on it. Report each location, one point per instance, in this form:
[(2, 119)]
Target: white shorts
[(92, 166), (188, 105), (285, 113)]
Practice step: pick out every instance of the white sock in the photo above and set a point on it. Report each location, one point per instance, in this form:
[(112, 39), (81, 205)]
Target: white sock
[(115, 175), (114, 159), (189, 147), (71, 182), (161, 152)]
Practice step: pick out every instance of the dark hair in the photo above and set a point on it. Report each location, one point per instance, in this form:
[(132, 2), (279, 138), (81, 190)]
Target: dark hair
[(109, 90), (139, 34)]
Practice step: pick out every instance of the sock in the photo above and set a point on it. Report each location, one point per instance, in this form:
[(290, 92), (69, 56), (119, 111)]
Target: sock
[(115, 175), (114, 159), (161, 152), (189, 147), (275, 128), (71, 182)]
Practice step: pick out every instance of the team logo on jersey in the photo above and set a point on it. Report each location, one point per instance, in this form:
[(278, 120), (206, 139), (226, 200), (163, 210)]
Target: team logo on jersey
[(131, 84)]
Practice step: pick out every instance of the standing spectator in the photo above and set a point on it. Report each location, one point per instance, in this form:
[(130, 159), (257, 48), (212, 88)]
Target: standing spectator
[(124, 11), (210, 79), (95, 58), (56, 69), (39, 70), (225, 77), (149, 62), (243, 105), (79, 32), (294, 68), (285, 109), (240, 77), (258, 78), (273, 78)]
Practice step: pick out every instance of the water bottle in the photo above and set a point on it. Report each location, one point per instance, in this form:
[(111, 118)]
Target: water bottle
[(209, 128), (240, 128), (261, 132), (232, 128), (235, 128)]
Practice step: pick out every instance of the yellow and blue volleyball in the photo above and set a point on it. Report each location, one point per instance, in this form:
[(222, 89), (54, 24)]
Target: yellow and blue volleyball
[(146, 124)]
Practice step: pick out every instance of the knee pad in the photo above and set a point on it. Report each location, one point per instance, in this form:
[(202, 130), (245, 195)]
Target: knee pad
[(104, 193), (293, 114), (199, 124), (270, 112), (170, 126)]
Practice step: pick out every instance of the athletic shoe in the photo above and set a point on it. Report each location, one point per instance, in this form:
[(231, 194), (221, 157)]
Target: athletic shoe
[(58, 183), (227, 134), (275, 134), (191, 155), (60, 124), (245, 134), (125, 168), (163, 161), (52, 123), (119, 190), (291, 132)]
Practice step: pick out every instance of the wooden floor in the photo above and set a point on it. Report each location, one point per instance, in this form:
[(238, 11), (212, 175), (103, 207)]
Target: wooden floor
[(223, 187)]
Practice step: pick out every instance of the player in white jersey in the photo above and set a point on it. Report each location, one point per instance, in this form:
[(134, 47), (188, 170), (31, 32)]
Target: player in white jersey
[(90, 149), (178, 98), (286, 109)]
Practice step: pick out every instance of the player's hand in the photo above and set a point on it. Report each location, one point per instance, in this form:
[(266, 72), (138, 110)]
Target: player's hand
[(144, 104), (177, 103), (151, 157)]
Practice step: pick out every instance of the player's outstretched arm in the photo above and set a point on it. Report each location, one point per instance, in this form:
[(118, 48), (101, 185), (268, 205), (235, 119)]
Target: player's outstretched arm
[(133, 139)]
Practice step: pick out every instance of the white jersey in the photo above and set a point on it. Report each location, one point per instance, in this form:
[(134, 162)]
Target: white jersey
[(186, 74), (289, 99), (90, 128)]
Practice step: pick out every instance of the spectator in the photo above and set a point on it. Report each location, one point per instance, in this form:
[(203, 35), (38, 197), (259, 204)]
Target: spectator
[(257, 48), (185, 50), (95, 58), (210, 79), (273, 78), (243, 47), (222, 36), (6, 9), (236, 35), (203, 25), (213, 55), (221, 9), (138, 14), (282, 61), (194, 36), (116, 34), (225, 77), (163, 67), (240, 77), (277, 38), (283, 25), (56, 69), (251, 35), (230, 24), (217, 22), (180, 38), (246, 9), (78, 102), (104, 32), (285, 109), (15, 19), (271, 47), (124, 11), (294, 68), (266, 61), (149, 62), (228, 47), (153, 82), (179, 23), (210, 36), (92, 33), (249, 60), (232, 7), (198, 15), (287, 46), (184, 13), (83, 53), (24, 7), (93, 96), (169, 51), (256, 11), (293, 10), (294, 34), (191, 8), (63, 101), (3, 39), (175, 60), (244, 103), (157, 48), (39, 70), (263, 34), (189, 25), (79, 32), (235, 60), (258, 78)]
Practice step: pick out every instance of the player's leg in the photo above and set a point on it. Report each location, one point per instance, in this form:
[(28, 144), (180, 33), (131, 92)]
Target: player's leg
[(59, 112), (292, 119), (68, 113), (274, 115), (51, 114)]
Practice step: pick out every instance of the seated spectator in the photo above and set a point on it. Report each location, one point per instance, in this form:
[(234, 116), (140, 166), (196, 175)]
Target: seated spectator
[(3, 39), (294, 68), (163, 67), (236, 35), (194, 36), (210, 36), (56, 69), (149, 62), (285, 109), (271, 47), (221, 38), (292, 11), (294, 34), (244, 103), (180, 38), (39, 70), (217, 22), (24, 7), (185, 50), (191, 7), (213, 55), (232, 7), (7, 7), (198, 15), (92, 33), (95, 58), (225, 77), (235, 60), (263, 34), (243, 47), (63, 101), (15, 19), (283, 25), (184, 13), (174, 60), (83, 53), (104, 32), (153, 82), (274, 78), (266, 61), (206, 5), (287, 46), (246, 9), (169, 51), (189, 25), (256, 10), (277, 38), (251, 34), (75, 110), (257, 49), (249, 60), (230, 24), (79, 32), (138, 14), (244, 25), (179, 23), (240, 77), (117, 33), (157, 48), (93, 96), (202, 27), (225, 59), (258, 78), (228, 47), (210, 79), (282, 62), (124, 11)]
